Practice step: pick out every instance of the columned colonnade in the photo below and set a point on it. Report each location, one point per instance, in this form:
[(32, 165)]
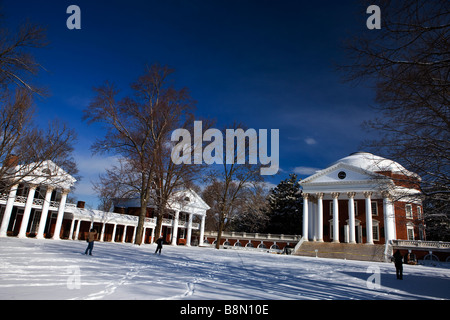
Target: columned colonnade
[(313, 216), (30, 202), (68, 211)]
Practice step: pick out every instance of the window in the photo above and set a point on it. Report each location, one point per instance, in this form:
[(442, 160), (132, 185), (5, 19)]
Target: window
[(238, 244), (355, 205), (374, 208), (419, 212), (409, 213), (331, 229), (262, 246), (410, 231), (376, 232), (249, 245)]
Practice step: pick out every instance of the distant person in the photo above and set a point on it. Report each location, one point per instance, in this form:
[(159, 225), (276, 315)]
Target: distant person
[(92, 236), (159, 242), (398, 261)]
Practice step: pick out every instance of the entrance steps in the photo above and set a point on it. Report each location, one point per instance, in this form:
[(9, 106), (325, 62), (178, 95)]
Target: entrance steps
[(358, 251)]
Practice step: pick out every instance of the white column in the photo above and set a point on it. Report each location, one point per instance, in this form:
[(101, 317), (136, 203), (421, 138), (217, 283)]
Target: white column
[(44, 213), (26, 212), (175, 228), (335, 196), (59, 219), (8, 210), (124, 236), (311, 221), (113, 239), (389, 226), (77, 232), (369, 225), (189, 230), (133, 239), (72, 228), (102, 235), (351, 216), (202, 230), (305, 216), (152, 238), (319, 217)]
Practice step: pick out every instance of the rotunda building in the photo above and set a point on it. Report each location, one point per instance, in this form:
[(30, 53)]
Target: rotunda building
[(362, 198)]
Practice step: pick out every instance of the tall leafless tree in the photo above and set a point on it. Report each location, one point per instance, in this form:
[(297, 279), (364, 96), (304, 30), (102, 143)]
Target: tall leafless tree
[(408, 61), (228, 182), (23, 145), (138, 128)]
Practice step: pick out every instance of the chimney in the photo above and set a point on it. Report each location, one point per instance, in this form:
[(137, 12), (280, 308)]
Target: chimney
[(11, 161), (81, 204)]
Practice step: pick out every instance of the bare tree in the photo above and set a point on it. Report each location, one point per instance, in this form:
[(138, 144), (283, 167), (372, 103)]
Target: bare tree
[(408, 60), (230, 179), (138, 129), (252, 212), (17, 65), (23, 145)]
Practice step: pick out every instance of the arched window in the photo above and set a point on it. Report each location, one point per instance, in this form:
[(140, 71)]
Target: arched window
[(226, 243), (238, 244), (431, 257), (262, 246), (249, 245), (274, 246)]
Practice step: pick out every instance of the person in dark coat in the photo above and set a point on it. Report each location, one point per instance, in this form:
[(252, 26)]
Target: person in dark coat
[(398, 261), (92, 236), (159, 242)]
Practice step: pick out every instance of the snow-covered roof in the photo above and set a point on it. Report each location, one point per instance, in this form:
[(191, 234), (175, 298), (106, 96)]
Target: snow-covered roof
[(44, 173), (360, 171), (372, 163), (186, 200)]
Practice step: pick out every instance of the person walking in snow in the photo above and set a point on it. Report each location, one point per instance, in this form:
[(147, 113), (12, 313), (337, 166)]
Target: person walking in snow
[(159, 242), (398, 261), (92, 236)]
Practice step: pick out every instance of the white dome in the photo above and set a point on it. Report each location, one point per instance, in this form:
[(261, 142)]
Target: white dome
[(372, 163)]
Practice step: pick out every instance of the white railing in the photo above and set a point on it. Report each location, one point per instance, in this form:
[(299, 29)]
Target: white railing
[(258, 236), (422, 244)]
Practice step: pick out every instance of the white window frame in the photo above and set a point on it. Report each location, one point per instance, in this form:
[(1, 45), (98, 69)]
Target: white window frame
[(376, 230), (374, 208), (408, 230), (409, 211)]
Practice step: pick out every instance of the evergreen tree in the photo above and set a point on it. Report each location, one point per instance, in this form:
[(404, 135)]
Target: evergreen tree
[(285, 207)]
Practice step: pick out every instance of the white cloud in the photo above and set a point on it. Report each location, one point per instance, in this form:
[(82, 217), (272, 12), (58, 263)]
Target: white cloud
[(94, 165), (310, 141), (305, 170)]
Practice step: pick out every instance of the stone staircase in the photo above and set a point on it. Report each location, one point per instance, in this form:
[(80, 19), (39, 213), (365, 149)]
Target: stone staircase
[(347, 251)]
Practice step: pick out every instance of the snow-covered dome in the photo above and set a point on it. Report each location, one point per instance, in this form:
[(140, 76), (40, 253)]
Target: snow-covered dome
[(372, 163)]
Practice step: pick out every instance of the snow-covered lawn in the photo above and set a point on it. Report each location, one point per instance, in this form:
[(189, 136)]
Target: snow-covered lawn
[(48, 269)]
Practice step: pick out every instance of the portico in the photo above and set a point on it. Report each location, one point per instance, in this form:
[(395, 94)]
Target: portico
[(354, 201), (36, 206)]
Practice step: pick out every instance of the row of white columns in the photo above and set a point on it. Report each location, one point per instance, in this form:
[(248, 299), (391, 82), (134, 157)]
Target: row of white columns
[(61, 208), (102, 232), (189, 229), (388, 210), (27, 212)]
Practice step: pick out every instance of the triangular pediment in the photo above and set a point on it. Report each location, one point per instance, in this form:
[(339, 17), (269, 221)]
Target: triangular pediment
[(45, 173), (340, 173), (188, 200)]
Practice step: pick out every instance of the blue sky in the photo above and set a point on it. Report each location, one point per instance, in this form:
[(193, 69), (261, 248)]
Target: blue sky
[(268, 64)]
